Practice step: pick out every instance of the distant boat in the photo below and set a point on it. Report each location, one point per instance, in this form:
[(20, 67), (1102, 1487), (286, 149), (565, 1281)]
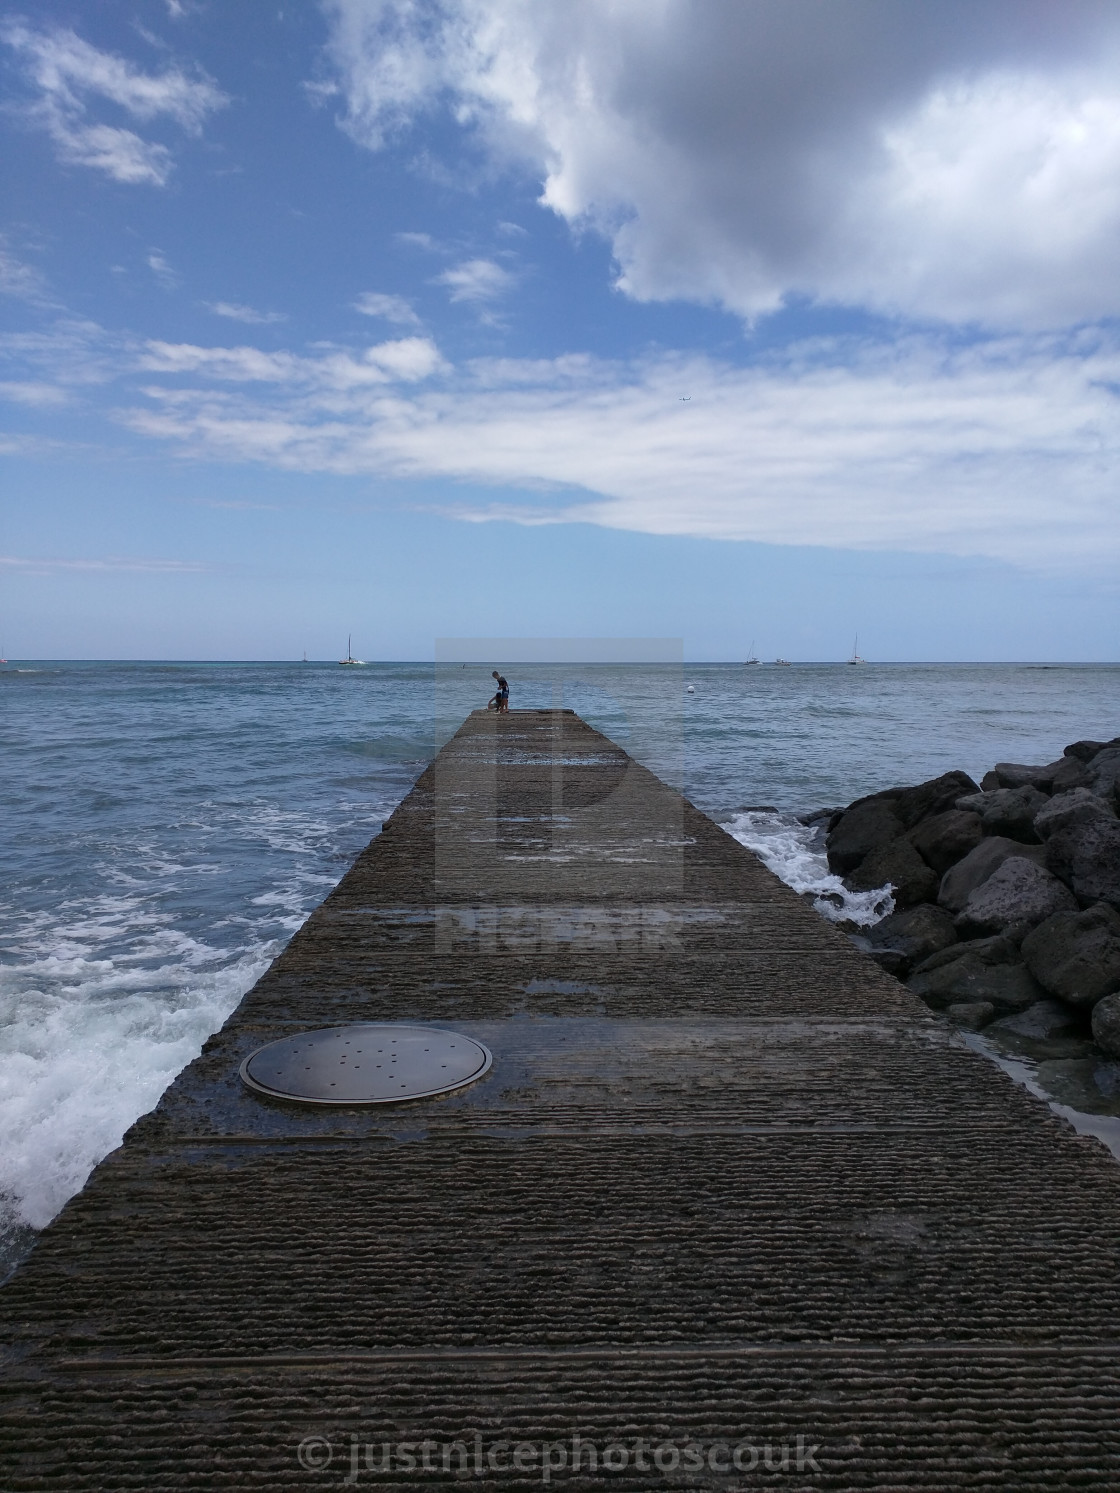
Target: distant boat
[(751, 657), (784, 662), (305, 655), (855, 658), (356, 663)]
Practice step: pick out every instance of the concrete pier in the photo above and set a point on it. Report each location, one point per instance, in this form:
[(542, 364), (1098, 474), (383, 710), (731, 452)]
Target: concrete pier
[(731, 1209)]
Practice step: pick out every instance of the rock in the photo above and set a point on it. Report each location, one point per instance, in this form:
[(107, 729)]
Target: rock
[(961, 880), (908, 937), (1076, 807), (1085, 751), (946, 838), (972, 1015), (997, 950), (1106, 1024), (1091, 1084), (1076, 955), (1073, 773), (1017, 775), (1087, 858), (990, 782), (817, 816), (1104, 774), (898, 863), (1019, 891), (1047, 1030), (1045, 1020), (866, 826), (1007, 811), (912, 805), (1008, 987)]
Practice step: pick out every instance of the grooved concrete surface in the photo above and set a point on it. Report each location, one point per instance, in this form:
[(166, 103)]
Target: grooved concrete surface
[(730, 1210)]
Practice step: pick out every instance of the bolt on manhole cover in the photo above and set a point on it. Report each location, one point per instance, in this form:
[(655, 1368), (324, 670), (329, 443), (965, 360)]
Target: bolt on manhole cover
[(371, 1063)]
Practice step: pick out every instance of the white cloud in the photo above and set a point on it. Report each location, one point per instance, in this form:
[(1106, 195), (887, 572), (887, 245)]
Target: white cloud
[(476, 280), (68, 74), (233, 311), (392, 308), (407, 359), (18, 279), (162, 270), (933, 160), (1006, 449), (71, 352), (36, 395)]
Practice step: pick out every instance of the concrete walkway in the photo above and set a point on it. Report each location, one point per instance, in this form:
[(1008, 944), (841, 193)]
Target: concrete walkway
[(730, 1210)]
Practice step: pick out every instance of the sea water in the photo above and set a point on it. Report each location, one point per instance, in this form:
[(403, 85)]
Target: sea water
[(169, 826)]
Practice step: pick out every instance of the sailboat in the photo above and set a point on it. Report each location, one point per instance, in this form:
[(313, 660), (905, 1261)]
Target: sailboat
[(855, 658), (751, 657), (356, 663)]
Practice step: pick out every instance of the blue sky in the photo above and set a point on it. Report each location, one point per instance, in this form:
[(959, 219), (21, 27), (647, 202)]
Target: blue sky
[(773, 322)]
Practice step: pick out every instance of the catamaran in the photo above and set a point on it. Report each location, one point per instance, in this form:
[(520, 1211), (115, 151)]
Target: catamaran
[(357, 663), (855, 658)]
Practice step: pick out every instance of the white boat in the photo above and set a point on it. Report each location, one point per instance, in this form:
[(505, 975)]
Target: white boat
[(350, 660), (855, 658), (751, 657), (784, 662)]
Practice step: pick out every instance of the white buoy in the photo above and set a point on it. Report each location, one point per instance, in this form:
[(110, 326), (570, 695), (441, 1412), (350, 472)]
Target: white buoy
[(691, 691)]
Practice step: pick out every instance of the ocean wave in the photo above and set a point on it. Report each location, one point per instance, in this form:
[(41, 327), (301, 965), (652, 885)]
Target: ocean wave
[(795, 853), (86, 1045)]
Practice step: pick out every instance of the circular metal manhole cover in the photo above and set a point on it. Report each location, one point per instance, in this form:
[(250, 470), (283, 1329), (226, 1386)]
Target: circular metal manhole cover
[(374, 1063)]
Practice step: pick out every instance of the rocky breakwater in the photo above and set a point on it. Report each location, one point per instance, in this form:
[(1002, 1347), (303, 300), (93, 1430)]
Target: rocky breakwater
[(1007, 896)]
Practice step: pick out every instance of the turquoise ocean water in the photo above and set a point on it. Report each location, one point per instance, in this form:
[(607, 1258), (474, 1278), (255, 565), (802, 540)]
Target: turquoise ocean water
[(168, 826)]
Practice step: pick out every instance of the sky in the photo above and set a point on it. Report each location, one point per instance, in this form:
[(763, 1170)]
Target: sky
[(764, 324)]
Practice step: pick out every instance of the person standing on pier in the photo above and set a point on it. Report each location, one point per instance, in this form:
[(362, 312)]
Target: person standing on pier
[(501, 699)]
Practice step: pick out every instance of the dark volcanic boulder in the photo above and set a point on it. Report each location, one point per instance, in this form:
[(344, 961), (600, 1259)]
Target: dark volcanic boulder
[(1104, 774), (1007, 811), (972, 978), (1018, 775), (1106, 1024), (1064, 810), (912, 805), (1020, 891), (907, 937), (1045, 1021), (992, 951), (1085, 751), (958, 884), (972, 1015), (1087, 858), (1076, 955), (866, 826), (1073, 773), (944, 839), (898, 863)]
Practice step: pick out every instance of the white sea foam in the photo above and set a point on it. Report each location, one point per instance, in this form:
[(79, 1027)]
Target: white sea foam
[(88, 1044), (106, 997), (795, 853)]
